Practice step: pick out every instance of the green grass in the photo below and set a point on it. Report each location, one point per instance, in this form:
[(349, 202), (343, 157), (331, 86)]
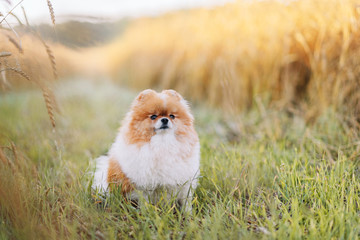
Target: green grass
[(264, 174)]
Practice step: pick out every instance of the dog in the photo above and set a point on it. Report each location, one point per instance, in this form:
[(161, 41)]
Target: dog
[(156, 151)]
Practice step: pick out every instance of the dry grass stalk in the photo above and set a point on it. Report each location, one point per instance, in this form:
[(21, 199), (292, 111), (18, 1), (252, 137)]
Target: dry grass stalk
[(14, 151), (51, 10), (3, 158), (6, 160), (18, 71), (47, 93), (8, 2), (5, 54), (50, 54), (49, 102), (4, 82), (51, 58), (17, 19), (16, 44), (10, 12), (25, 16)]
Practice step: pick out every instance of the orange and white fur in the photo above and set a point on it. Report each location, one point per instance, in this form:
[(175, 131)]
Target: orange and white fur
[(156, 150)]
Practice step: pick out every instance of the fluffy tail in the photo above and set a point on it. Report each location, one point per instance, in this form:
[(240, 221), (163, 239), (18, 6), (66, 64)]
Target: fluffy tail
[(100, 182)]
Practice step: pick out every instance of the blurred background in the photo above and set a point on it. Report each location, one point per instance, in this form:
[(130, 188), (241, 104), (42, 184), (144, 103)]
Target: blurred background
[(300, 56)]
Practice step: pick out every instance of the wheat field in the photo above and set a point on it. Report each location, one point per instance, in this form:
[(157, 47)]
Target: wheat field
[(288, 52)]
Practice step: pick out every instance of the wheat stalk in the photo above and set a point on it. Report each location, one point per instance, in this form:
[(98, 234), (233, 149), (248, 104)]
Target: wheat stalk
[(47, 93), (16, 44), (51, 57), (51, 10), (52, 60), (18, 71)]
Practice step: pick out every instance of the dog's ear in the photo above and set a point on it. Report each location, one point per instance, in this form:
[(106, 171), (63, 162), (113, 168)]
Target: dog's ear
[(173, 93), (145, 94)]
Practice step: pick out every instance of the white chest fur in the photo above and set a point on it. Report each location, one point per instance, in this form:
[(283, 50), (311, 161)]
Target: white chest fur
[(164, 161)]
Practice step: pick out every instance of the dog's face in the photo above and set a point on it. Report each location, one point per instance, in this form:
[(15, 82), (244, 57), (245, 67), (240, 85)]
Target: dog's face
[(159, 113)]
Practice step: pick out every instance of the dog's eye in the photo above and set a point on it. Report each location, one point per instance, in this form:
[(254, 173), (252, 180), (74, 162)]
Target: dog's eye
[(153, 117), (172, 116)]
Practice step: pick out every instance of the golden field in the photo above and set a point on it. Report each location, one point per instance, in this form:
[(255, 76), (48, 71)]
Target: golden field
[(295, 53), (301, 56), (29, 56)]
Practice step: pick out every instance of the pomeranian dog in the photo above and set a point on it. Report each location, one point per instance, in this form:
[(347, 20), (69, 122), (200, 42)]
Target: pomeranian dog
[(156, 152)]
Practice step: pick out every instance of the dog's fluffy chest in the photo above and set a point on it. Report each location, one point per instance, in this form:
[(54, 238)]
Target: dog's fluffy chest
[(164, 161)]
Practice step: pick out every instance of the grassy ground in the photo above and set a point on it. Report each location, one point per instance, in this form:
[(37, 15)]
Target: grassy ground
[(264, 174)]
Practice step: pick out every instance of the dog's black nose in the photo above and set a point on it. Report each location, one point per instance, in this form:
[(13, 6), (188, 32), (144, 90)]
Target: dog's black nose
[(164, 120)]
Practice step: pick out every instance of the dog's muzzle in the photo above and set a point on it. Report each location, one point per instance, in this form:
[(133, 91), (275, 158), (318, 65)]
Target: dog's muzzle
[(164, 123)]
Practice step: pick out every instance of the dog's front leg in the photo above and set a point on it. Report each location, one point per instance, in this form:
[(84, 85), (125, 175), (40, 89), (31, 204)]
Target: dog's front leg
[(185, 199)]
